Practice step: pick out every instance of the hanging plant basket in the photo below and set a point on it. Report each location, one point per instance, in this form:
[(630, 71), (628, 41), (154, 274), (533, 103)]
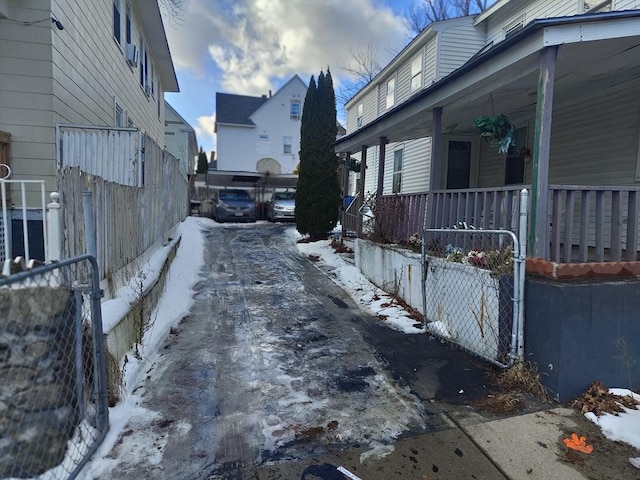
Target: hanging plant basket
[(353, 165), (497, 130)]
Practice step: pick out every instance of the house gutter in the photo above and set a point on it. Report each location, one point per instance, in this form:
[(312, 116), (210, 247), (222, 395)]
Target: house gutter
[(499, 48)]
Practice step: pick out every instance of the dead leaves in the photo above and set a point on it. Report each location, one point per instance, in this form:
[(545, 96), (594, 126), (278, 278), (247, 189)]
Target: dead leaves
[(598, 400)]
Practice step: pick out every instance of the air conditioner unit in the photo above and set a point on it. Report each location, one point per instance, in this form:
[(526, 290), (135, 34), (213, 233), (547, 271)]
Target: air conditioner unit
[(132, 55)]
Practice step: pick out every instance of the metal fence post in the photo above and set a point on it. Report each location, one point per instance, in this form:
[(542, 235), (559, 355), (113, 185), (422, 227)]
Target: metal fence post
[(522, 262), (54, 227)]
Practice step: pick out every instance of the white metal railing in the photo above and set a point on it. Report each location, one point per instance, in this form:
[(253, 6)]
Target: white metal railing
[(6, 253)]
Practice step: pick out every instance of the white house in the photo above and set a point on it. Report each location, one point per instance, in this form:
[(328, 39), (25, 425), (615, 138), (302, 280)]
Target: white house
[(180, 139), (260, 134)]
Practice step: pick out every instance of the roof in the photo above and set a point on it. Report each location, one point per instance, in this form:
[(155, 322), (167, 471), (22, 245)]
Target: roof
[(149, 14), (236, 109), (376, 128)]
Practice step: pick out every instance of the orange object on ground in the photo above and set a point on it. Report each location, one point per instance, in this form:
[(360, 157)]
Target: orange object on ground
[(578, 443)]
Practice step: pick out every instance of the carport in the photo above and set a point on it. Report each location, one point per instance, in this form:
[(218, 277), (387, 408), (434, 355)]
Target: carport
[(261, 186)]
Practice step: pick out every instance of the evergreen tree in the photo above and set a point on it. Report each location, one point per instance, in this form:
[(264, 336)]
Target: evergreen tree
[(203, 165), (318, 192)]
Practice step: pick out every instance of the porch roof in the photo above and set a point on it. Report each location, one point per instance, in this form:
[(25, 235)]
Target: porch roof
[(504, 78)]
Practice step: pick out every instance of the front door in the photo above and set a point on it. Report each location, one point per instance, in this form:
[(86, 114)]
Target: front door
[(460, 162)]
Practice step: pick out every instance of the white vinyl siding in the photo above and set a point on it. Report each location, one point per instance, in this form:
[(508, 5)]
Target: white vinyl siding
[(403, 83), (430, 62), (513, 11), (456, 46), (625, 4)]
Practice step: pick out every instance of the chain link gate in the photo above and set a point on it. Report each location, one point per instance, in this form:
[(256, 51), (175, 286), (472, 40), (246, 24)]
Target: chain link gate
[(473, 288), (53, 395)]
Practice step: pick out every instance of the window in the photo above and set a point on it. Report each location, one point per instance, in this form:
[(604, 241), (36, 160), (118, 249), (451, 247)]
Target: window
[(286, 144), (391, 92), (397, 171), (144, 69), (127, 28), (295, 109), (119, 116), (130, 123), (116, 19), (359, 115), (141, 62), (416, 73)]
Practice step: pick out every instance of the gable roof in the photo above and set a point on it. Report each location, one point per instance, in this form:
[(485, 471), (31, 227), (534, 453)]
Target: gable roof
[(295, 78), (236, 109)]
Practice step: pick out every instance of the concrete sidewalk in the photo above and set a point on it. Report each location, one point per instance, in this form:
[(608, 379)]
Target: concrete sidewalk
[(522, 447)]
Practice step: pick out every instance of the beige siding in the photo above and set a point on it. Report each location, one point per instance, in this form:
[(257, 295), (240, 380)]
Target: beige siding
[(75, 75), (529, 10), (456, 46)]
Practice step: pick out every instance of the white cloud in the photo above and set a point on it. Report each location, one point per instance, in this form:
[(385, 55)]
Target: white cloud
[(253, 45), (205, 130)]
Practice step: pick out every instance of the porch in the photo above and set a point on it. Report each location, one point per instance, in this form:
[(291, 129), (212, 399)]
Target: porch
[(585, 223)]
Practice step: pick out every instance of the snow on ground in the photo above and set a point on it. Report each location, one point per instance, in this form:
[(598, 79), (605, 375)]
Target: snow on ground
[(183, 275)]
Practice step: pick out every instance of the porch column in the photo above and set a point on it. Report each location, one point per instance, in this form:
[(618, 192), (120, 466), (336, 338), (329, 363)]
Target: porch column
[(363, 169), (435, 170), (383, 148), (539, 229), (345, 178), (345, 188), (436, 149)]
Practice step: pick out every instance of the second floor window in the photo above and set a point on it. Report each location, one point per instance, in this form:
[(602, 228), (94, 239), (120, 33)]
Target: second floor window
[(391, 93), (397, 171), (286, 144), (127, 24), (116, 19), (416, 73), (119, 116), (360, 114), (296, 109)]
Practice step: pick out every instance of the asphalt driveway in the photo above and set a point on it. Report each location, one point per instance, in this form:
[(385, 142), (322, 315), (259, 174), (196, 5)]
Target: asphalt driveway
[(276, 368)]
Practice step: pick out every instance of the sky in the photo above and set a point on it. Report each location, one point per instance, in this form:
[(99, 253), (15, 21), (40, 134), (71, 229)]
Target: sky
[(175, 303), (249, 47)]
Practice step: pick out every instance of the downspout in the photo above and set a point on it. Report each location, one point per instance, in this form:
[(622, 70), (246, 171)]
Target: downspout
[(539, 231)]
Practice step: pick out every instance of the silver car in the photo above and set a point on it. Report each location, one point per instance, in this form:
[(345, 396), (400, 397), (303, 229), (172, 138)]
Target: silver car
[(281, 207)]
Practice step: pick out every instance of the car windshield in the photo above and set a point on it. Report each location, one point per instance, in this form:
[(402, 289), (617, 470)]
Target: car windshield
[(234, 195), (284, 196)]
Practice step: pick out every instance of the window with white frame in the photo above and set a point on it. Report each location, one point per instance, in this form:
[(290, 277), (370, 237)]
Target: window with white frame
[(391, 93), (295, 109), (359, 115), (117, 7), (397, 171), (286, 144), (416, 73)]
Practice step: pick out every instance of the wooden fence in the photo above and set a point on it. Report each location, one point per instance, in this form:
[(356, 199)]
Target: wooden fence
[(129, 219)]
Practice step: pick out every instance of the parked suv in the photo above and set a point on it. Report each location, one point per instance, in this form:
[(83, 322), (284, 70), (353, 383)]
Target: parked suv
[(233, 205)]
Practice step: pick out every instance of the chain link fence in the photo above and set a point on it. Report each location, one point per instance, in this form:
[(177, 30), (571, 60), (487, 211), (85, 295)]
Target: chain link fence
[(473, 291), (53, 394)]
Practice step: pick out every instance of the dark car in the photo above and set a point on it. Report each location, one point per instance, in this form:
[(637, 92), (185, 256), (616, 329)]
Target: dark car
[(281, 206), (233, 205)]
